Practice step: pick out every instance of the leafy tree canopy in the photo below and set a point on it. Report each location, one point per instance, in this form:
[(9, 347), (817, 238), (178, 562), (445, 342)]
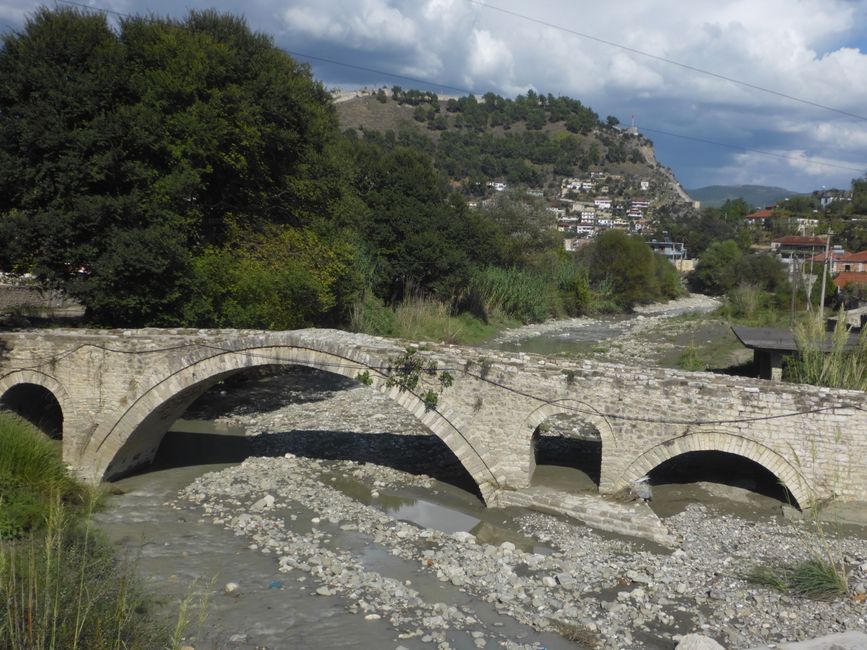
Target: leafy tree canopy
[(125, 152)]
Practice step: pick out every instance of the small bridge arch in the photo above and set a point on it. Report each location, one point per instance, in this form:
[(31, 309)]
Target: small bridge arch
[(735, 444), (21, 379), (570, 407), (131, 436)]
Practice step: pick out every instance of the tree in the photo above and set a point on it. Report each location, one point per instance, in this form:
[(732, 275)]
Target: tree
[(186, 128), (627, 263), (859, 196), (717, 268)]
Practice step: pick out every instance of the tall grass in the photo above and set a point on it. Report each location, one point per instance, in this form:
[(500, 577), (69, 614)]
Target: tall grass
[(835, 368), (32, 475), (61, 587), (424, 319), (60, 584), (520, 293)]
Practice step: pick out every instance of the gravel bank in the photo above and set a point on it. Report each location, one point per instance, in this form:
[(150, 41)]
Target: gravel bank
[(290, 503)]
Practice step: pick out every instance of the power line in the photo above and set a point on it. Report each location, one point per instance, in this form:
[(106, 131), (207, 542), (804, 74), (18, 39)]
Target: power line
[(663, 59), (747, 149), (583, 35), (89, 8), (382, 72)]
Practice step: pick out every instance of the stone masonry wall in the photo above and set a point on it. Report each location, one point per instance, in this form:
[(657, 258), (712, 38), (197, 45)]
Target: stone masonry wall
[(119, 390)]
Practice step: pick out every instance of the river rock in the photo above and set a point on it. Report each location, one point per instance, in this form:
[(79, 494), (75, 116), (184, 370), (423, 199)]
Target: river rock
[(698, 642)]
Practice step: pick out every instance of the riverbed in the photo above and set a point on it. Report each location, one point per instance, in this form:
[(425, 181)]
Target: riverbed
[(311, 511)]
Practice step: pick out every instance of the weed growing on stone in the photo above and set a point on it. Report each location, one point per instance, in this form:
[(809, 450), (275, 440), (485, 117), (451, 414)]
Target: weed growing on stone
[(406, 371)]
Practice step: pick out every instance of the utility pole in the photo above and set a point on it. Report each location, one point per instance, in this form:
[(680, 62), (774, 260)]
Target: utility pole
[(794, 276), (824, 279)]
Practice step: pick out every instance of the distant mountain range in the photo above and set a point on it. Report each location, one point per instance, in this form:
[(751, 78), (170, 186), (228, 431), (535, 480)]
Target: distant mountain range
[(758, 196)]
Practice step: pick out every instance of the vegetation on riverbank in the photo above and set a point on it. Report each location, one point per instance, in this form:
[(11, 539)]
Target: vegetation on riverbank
[(60, 584), (226, 195)]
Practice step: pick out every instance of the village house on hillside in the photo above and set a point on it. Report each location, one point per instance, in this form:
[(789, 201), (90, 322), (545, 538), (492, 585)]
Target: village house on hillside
[(845, 267)]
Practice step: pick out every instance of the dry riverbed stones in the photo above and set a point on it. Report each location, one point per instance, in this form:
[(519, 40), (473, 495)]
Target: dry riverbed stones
[(312, 433)]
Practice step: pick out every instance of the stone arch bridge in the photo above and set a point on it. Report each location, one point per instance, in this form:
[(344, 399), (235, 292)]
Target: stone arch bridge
[(119, 391)]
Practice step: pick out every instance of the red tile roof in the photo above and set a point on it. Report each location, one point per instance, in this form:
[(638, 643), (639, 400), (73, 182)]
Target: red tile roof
[(761, 214), (843, 257), (850, 277), (797, 240)]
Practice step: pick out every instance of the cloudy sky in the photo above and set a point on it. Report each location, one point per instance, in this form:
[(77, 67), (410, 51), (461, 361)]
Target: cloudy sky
[(708, 129)]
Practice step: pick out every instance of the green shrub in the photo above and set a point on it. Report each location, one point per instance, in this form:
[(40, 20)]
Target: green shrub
[(31, 475)]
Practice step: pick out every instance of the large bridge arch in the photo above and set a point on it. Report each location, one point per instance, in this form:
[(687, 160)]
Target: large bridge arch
[(730, 443), (131, 435), (29, 377)]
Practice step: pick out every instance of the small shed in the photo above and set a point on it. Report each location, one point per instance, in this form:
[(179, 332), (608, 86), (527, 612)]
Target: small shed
[(770, 345)]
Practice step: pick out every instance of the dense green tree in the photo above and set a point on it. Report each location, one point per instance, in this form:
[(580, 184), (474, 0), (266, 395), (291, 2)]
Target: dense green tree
[(626, 263), (182, 127), (421, 236), (725, 265), (280, 278), (859, 196), (717, 268)]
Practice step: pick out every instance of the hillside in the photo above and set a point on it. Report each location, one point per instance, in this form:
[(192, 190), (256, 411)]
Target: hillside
[(713, 196), (533, 141)]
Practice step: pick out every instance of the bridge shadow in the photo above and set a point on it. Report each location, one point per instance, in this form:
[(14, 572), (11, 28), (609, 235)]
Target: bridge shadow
[(265, 389), (724, 469), (568, 452), (413, 454)]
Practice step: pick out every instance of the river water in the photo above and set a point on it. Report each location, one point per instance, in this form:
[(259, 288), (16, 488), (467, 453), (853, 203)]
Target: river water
[(184, 556)]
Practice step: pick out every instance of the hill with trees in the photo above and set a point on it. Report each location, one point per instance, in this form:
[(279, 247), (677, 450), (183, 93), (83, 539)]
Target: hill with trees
[(534, 140)]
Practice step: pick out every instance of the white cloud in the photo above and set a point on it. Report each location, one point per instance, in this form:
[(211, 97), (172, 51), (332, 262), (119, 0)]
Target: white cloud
[(807, 49), (366, 24)]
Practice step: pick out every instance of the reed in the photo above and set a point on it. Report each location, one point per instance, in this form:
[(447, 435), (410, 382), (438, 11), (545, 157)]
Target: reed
[(519, 293), (836, 368)]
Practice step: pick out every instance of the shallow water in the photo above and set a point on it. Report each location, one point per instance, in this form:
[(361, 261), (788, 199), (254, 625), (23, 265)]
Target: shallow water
[(178, 553), (577, 340)]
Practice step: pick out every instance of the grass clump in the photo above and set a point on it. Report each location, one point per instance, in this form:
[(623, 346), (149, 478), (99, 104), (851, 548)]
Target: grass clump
[(60, 583), (689, 359), (576, 633), (816, 578), (835, 368)]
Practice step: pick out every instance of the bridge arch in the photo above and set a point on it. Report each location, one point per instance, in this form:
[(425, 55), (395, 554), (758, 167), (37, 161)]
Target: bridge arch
[(729, 443), (132, 436), (574, 408), (47, 386)]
